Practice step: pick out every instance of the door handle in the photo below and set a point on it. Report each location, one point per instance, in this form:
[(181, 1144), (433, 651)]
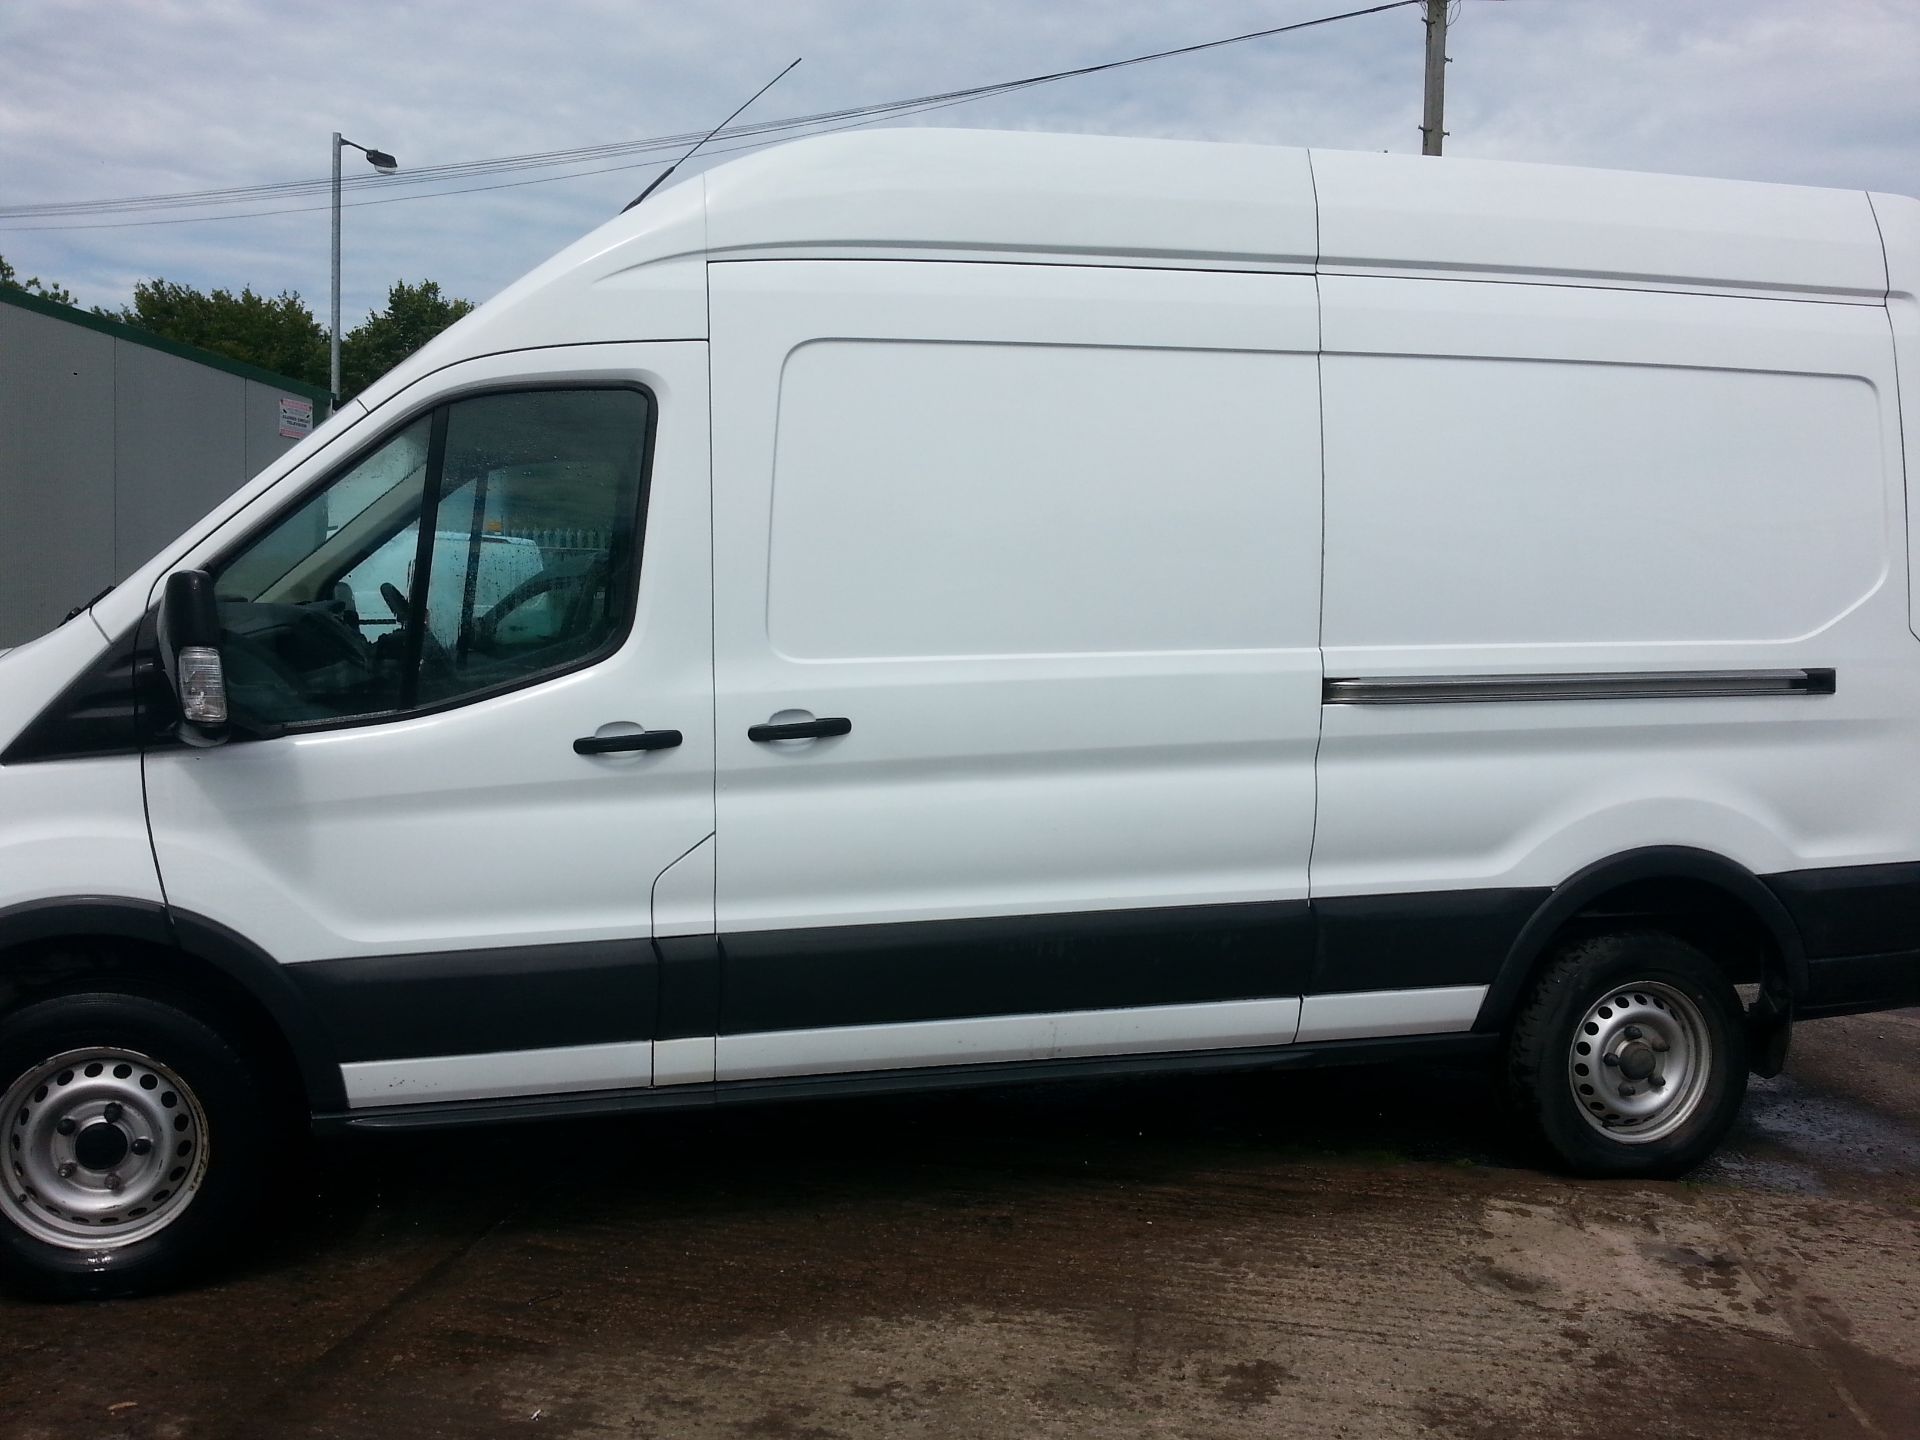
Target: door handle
[(638, 740), (802, 729)]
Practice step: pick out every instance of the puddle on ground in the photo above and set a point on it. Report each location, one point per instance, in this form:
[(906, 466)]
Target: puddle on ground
[(1826, 1129), (1755, 1172), (1795, 1140)]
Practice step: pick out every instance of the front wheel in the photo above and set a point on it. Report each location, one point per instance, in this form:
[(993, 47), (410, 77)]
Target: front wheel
[(136, 1140), (1629, 1057)]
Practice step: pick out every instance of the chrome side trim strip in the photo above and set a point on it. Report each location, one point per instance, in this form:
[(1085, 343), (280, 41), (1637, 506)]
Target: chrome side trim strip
[(1621, 685)]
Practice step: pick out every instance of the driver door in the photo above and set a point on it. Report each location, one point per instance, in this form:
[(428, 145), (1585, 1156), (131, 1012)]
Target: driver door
[(470, 677)]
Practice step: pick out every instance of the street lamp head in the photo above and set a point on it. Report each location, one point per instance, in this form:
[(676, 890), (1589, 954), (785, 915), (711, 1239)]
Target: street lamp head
[(382, 161)]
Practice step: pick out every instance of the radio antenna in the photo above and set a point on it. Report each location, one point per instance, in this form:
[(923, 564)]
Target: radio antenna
[(660, 179)]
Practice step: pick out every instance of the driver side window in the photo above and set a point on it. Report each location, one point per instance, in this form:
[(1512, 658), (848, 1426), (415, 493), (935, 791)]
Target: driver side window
[(488, 544)]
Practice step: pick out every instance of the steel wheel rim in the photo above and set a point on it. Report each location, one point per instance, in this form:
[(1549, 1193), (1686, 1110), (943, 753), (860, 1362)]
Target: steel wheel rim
[(1640, 1062), (105, 1147)]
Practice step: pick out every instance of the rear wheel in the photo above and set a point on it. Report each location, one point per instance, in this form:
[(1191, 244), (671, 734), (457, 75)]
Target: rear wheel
[(137, 1140), (1629, 1057)]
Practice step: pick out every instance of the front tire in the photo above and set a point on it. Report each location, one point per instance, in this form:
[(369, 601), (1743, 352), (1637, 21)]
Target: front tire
[(1630, 1056), (137, 1140)]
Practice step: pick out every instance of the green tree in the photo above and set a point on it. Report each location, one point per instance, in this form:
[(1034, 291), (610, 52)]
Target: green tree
[(34, 285), (277, 333), (414, 315)]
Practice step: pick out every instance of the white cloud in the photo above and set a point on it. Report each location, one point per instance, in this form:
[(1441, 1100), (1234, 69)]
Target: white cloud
[(104, 99)]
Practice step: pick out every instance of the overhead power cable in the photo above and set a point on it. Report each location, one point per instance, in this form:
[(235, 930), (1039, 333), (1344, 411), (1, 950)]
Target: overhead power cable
[(428, 182), (467, 189)]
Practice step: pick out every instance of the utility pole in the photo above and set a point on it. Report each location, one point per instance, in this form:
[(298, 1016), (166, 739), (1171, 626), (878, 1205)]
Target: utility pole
[(1433, 113)]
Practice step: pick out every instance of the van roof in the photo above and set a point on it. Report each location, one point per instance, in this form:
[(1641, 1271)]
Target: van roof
[(1092, 198), (1100, 200)]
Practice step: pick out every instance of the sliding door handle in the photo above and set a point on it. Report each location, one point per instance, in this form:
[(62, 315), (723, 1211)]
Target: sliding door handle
[(637, 740), (801, 729)]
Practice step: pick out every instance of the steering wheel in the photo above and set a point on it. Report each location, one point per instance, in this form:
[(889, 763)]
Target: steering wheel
[(585, 587), (396, 602), (434, 659), (593, 588)]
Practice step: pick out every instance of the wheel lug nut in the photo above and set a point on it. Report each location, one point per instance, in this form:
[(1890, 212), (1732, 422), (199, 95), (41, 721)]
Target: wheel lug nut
[(1624, 1090), (1633, 1032), (1657, 1083), (142, 1145), (1610, 1060), (113, 1182), (66, 1169), (112, 1112), (66, 1127)]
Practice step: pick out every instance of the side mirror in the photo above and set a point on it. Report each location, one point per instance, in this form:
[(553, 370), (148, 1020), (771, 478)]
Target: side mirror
[(190, 655)]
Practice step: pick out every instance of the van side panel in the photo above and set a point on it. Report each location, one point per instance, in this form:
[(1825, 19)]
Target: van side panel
[(1048, 538), (1527, 480), (1548, 467)]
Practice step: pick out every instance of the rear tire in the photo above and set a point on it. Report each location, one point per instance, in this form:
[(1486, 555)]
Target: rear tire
[(138, 1142), (1629, 1057)]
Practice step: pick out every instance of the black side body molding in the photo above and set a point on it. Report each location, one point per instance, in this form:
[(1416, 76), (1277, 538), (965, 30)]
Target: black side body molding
[(1416, 941), (1862, 928), (689, 986), (1013, 965), (473, 1002)]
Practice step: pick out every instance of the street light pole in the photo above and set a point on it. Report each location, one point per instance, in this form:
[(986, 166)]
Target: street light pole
[(386, 165), (333, 330)]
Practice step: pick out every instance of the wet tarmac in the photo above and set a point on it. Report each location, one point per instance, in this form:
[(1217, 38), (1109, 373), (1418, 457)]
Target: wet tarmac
[(1339, 1253)]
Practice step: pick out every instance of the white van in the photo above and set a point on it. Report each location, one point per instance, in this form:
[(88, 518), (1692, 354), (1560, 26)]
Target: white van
[(1012, 606)]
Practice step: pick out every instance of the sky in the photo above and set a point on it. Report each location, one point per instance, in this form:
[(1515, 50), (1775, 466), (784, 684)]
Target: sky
[(108, 100)]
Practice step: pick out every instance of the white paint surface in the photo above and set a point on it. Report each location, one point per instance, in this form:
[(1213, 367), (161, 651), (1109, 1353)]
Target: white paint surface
[(500, 1075)]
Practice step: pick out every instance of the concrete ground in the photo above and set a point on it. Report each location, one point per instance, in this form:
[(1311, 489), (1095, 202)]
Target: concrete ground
[(1357, 1253)]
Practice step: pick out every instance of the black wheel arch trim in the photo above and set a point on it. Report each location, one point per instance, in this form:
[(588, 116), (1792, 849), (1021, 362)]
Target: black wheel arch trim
[(1658, 862), (110, 915), (240, 961)]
